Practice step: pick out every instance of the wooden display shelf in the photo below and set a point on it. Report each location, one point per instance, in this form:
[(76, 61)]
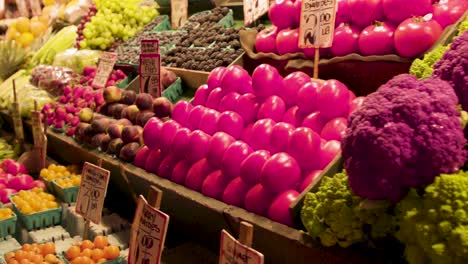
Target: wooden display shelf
[(202, 218)]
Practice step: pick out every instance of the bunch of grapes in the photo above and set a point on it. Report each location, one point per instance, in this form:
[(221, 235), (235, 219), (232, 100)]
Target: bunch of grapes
[(115, 20), (91, 12)]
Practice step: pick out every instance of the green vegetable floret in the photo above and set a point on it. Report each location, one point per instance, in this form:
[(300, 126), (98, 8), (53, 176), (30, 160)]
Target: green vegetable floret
[(335, 215), (434, 227), (423, 68)]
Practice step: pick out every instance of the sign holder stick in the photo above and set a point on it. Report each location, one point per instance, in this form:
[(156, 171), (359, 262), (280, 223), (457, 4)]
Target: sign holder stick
[(18, 123), (87, 221), (123, 173), (316, 62), (246, 233)]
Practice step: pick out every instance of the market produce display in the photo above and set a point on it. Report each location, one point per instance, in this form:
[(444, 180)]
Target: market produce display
[(7, 150), (77, 60), (118, 127), (34, 253), (64, 115), (97, 251), (248, 140), (24, 30), (53, 79), (5, 213), (59, 172), (34, 200), (14, 178), (115, 20), (375, 27), (424, 67)]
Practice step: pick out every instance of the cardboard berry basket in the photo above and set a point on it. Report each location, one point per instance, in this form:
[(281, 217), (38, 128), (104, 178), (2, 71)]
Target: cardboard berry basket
[(8, 225), (38, 220), (67, 195), (118, 260)]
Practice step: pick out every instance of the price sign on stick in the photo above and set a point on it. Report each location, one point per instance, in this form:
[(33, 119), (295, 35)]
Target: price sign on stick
[(233, 251), (104, 69), (149, 46), (17, 121), (254, 9), (35, 7), (149, 230), (22, 8), (178, 13), (317, 23), (93, 188), (150, 74)]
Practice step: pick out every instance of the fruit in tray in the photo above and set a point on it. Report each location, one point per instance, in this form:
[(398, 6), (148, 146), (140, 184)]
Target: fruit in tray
[(115, 20), (5, 213), (366, 27), (97, 251), (34, 253), (35, 200), (25, 30), (71, 181), (58, 171)]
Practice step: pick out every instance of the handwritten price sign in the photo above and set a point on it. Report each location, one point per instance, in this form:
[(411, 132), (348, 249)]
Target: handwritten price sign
[(93, 188), (179, 13), (317, 23), (233, 252), (150, 74), (104, 69), (254, 9), (151, 231), (149, 46)]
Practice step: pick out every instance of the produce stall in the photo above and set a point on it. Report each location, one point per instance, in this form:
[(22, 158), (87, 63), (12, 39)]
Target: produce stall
[(145, 131)]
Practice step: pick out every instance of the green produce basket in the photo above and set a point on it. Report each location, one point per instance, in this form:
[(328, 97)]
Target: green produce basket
[(165, 24), (123, 83), (174, 91), (38, 220), (8, 226), (67, 195), (118, 260)]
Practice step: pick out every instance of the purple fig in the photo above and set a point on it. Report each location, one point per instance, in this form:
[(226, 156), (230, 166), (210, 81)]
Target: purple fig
[(112, 94), (129, 151), (144, 101), (128, 97)]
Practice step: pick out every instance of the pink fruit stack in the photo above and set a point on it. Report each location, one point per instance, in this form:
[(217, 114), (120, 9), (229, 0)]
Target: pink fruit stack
[(251, 141)]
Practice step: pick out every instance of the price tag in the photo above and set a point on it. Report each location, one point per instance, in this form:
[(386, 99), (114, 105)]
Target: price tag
[(254, 9), (150, 74), (37, 128), (17, 122), (317, 24), (234, 252), (93, 188), (35, 7), (179, 13), (149, 46), (151, 228), (104, 69)]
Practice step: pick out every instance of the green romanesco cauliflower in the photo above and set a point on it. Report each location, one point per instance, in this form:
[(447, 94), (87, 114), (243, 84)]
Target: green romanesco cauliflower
[(423, 68), (434, 227), (336, 216)]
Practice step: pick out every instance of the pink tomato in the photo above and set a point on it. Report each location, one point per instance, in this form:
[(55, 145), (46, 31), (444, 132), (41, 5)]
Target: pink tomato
[(308, 179), (197, 174), (279, 209), (328, 152), (236, 79), (314, 121), (152, 132), (180, 142), (307, 96), (365, 12), (251, 167), (214, 185), (214, 98), (247, 107), (448, 12), (201, 95), (153, 161), (377, 39), (181, 111), (355, 104), (333, 99), (345, 40), (167, 166), (342, 13), (265, 40), (228, 102), (280, 135), (217, 146), (215, 78), (258, 200), (398, 10), (180, 172), (234, 155), (209, 122), (261, 132), (266, 81), (287, 41), (291, 86), (195, 115), (280, 172), (293, 116), (168, 131), (416, 35), (197, 146), (235, 191), (304, 147), (334, 129), (282, 14), (273, 107), (231, 123), (141, 156)]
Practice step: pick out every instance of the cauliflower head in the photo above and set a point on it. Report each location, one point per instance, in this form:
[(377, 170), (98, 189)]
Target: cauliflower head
[(453, 68), (404, 135), (434, 227), (333, 214)]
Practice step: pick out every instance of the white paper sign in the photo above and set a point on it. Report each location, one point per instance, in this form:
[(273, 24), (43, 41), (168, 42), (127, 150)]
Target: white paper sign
[(93, 189), (254, 9), (151, 231), (317, 23), (233, 252)]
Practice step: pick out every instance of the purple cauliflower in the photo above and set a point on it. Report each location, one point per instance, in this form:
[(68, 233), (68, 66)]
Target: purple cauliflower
[(404, 135), (453, 68)]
